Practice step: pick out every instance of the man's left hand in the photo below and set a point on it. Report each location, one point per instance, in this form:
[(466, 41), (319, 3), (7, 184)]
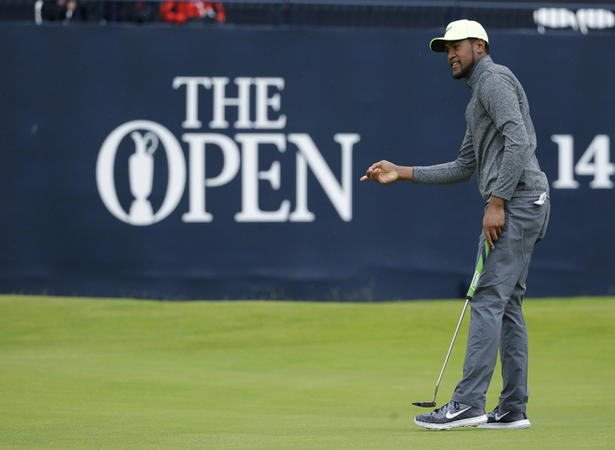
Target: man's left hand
[(493, 222)]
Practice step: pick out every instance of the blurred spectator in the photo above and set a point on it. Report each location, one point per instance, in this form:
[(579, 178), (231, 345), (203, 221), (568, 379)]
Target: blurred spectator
[(67, 10), (138, 12), (192, 11), (101, 11), (59, 10)]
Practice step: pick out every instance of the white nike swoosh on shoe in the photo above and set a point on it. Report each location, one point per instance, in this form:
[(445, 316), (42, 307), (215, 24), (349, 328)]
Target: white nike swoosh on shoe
[(498, 418), (452, 416)]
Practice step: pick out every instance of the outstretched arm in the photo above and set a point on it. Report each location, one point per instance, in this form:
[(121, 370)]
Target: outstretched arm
[(461, 169), (385, 172)]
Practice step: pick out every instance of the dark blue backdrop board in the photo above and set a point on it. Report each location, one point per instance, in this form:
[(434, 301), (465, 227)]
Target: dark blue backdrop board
[(65, 90)]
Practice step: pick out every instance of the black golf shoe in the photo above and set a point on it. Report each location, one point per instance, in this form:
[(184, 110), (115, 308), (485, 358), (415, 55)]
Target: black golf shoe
[(505, 420), (452, 415)]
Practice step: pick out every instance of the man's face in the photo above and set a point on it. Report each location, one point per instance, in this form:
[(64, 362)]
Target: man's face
[(461, 57)]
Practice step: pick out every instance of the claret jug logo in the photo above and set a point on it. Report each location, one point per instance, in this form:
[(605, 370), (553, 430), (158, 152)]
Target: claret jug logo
[(240, 155), (141, 172)]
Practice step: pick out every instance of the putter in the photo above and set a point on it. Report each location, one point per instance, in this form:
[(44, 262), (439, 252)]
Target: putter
[(469, 295)]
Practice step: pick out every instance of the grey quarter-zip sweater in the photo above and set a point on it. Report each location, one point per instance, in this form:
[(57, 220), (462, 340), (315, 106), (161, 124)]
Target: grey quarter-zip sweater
[(500, 140)]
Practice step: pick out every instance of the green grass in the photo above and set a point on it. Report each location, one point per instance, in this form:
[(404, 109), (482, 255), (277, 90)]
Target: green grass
[(86, 373)]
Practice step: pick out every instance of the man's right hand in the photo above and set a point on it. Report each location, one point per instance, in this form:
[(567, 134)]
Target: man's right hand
[(385, 172)]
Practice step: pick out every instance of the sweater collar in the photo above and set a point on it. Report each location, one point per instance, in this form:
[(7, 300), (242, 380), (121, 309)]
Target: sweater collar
[(479, 67)]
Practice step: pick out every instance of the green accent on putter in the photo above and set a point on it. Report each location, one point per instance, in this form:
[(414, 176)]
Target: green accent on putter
[(478, 272)]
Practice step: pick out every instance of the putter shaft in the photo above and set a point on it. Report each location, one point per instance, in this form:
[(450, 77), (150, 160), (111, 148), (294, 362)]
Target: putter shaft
[(450, 348), (473, 285)]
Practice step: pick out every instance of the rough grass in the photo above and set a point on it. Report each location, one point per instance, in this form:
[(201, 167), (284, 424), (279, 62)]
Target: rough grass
[(96, 373)]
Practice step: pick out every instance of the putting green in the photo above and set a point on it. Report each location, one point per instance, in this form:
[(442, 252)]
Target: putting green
[(93, 373)]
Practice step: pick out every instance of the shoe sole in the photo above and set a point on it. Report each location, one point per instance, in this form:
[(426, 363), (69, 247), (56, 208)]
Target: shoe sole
[(516, 425), (471, 422)]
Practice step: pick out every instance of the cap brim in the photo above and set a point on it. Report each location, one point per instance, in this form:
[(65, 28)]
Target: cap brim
[(438, 44)]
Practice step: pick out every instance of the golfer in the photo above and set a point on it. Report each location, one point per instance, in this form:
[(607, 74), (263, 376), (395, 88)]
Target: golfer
[(499, 145)]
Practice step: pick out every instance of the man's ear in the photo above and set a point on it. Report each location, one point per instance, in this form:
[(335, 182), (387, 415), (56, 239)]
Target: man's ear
[(480, 45)]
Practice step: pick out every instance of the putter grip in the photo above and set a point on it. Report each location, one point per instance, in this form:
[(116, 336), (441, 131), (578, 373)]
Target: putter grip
[(478, 271)]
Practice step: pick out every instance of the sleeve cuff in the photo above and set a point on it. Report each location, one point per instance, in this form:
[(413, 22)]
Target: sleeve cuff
[(504, 196)]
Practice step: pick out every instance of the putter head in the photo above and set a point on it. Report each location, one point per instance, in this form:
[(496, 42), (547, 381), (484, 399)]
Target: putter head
[(425, 404)]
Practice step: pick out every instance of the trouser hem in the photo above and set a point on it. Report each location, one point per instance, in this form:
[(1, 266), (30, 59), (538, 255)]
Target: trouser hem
[(469, 402)]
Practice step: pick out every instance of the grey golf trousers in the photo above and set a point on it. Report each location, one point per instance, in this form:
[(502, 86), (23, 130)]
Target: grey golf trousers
[(496, 317)]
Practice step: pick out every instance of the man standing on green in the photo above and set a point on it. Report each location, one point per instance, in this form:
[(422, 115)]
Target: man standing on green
[(499, 145)]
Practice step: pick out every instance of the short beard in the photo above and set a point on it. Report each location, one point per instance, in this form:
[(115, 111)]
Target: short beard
[(466, 70)]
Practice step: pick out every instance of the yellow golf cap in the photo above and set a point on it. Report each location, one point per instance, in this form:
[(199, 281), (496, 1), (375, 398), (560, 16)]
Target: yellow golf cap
[(457, 31)]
